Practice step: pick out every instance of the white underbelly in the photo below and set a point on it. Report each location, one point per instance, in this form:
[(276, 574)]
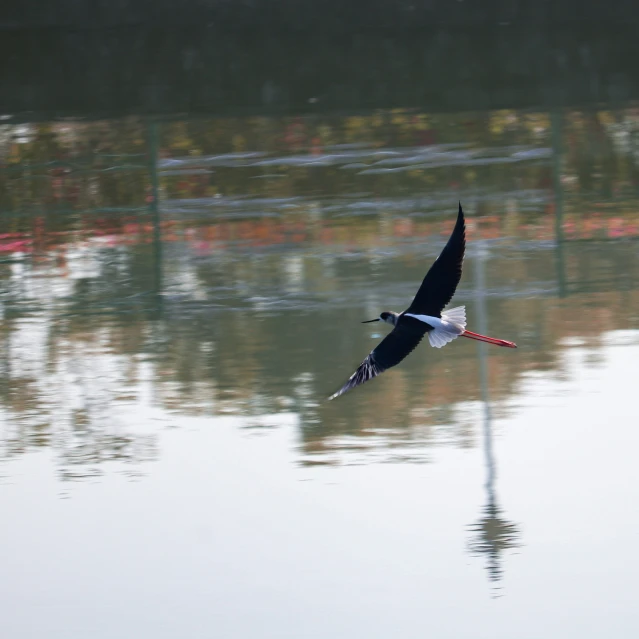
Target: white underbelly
[(435, 322)]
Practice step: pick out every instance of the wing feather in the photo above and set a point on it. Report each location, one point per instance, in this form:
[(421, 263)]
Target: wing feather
[(389, 352), (440, 283)]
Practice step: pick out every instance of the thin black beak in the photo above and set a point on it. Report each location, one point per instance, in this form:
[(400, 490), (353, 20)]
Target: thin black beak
[(369, 321)]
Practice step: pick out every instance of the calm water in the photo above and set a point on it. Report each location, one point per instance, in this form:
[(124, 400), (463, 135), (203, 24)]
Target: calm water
[(179, 298)]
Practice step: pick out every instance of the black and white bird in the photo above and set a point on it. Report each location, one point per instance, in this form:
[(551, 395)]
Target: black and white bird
[(424, 315)]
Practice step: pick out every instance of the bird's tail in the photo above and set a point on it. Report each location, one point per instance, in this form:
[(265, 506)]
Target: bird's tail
[(456, 316), (453, 325)]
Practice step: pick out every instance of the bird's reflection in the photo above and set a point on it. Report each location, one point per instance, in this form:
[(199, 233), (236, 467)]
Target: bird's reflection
[(492, 534)]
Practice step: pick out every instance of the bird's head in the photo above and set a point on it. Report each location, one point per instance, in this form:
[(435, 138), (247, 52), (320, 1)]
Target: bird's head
[(385, 316)]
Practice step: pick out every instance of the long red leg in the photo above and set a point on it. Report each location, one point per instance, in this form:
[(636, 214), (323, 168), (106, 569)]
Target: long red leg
[(489, 340)]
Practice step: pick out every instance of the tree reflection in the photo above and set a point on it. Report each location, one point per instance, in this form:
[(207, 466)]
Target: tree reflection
[(493, 534), (270, 229)]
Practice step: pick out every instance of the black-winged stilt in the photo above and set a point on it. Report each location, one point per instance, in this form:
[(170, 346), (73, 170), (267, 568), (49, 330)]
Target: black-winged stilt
[(424, 315)]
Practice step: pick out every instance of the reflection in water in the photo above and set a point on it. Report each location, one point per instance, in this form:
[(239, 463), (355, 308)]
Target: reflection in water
[(179, 296), (556, 125), (492, 534), (212, 287), (154, 205)]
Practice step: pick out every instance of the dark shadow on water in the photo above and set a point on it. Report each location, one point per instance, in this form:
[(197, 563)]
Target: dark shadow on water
[(202, 67)]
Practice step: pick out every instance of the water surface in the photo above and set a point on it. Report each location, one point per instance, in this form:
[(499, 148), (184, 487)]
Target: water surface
[(178, 300)]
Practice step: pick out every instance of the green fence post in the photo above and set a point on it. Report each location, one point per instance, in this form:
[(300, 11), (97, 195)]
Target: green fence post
[(153, 147)]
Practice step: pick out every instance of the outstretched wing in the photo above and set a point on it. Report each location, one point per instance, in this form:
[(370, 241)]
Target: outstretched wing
[(442, 279), (389, 352)]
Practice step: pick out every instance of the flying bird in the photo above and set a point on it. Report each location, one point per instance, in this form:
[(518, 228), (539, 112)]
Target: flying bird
[(424, 315)]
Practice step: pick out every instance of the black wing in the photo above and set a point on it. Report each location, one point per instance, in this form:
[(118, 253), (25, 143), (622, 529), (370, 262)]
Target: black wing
[(440, 282), (389, 352)]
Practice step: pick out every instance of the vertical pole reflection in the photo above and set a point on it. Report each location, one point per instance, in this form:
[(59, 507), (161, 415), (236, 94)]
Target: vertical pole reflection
[(154, 205), (491, 534), (556, 126), (482, 323)]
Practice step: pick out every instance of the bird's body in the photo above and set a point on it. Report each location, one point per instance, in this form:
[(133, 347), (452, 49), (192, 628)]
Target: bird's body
[(424, 315)]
